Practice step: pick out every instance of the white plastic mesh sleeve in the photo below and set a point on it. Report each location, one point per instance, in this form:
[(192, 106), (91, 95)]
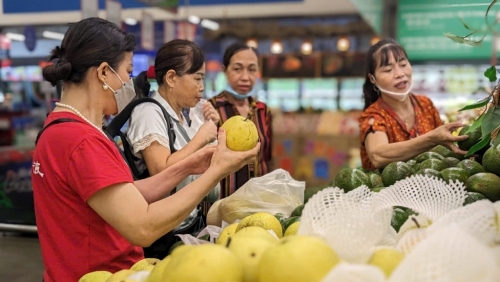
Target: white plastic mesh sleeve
[(425, 195), (346, 221), (450, 254), (346, 272)]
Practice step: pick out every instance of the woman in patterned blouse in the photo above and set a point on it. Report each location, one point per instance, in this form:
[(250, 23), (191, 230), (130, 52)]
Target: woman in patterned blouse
[(397, 125), (241, 68)]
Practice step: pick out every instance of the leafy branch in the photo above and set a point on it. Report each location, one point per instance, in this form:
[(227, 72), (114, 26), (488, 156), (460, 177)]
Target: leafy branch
[(490, 27)]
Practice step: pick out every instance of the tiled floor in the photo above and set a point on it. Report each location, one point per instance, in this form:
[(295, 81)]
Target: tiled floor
[(20, 258)]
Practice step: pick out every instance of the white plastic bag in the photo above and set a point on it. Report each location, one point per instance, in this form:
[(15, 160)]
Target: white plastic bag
[(275, 192)]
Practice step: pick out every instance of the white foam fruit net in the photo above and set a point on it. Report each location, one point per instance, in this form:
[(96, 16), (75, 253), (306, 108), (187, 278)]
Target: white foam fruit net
[(446, 241)]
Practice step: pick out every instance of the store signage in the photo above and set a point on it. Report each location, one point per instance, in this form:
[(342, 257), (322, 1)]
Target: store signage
[(421, 28)]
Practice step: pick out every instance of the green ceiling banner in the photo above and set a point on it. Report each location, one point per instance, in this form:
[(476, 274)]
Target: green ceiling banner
[(371, 11), (422, 24)]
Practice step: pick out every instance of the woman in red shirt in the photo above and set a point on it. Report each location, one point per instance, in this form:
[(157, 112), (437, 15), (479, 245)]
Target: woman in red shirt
[(397, 125), (90, 213)]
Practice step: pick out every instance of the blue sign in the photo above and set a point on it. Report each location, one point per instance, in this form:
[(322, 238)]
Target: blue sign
[(33, 6), (30, 38)]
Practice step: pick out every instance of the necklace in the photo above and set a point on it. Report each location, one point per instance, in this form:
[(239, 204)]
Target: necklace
[(81, 116)]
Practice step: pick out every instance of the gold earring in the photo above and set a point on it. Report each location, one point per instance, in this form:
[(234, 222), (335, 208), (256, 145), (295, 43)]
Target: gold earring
[(105, 86)]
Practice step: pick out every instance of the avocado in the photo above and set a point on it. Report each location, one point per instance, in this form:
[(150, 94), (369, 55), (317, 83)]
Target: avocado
[(454, 174), (428, 155), (473, 197), (474, 137), (471, 166), (491, 160), (394, 172), (485, 183), (446, 153), (430, 173), (433, 164), (451, 161), (298, 211), (350, 179), (375, 181)]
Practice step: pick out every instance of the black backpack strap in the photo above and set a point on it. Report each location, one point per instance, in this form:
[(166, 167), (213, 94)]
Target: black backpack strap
[(115, 126), (56, 121)]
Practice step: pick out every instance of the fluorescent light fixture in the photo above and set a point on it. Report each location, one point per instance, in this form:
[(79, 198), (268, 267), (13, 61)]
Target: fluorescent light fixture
[(130, 21), (15, 36), (53, 35), (209, 24), (194, 19)]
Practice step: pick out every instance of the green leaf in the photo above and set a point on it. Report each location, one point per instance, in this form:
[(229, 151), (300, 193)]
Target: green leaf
[(474, 43), (478, 146), (491, 121), (476, 105), (477, 123), (491, 74), (456, 38)]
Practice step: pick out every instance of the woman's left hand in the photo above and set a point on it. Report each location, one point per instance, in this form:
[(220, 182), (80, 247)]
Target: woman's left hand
[(210, 113)]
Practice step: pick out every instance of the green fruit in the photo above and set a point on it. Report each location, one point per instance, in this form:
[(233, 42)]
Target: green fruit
[(472, 167), (410, 212), (432, 173), (411, 162), (289, 221), (378, 189), (446, 153), (474, 137), (399, 217), (375, 181), (454, 174), (394, 172), (491, 160), (175, 245), (451, 161), (298, 211), (281, 217), (473, 197), (350, 179), (428, 155), (485, 183), (434, 164), (309, 192)]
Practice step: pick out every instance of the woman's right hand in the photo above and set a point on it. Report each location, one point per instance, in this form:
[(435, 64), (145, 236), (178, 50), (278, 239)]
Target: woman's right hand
[(226, 161), (443, 136), (207, 132)]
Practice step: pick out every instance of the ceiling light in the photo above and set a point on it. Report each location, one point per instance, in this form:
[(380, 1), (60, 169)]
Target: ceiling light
[(252, 43), (15, 36), (343, 44), (194, 19), (276, 47), (209, 24), (53, 35), (130, 21), (306, 48)]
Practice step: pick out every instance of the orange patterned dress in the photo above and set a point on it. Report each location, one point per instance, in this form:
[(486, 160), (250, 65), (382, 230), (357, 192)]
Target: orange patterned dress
[(385, 120)]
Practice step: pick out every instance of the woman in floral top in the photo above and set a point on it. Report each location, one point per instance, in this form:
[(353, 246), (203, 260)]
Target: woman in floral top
[(397, 125)]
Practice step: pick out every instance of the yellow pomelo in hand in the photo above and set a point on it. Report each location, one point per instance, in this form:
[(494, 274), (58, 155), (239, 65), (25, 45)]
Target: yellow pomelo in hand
[(292, 229), (387, 259), (241, 133), (264, 220), (120, 276), (226, 233), (158, 271), (96, 276), (297, 258), (145, 264), (249, 251), (205, 263)]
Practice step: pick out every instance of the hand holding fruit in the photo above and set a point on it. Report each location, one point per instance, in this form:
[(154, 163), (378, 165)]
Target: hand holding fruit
[(443, 136)]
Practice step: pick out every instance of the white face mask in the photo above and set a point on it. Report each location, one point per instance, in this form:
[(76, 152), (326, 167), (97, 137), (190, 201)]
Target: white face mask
[(123, 95), (401, 96)]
